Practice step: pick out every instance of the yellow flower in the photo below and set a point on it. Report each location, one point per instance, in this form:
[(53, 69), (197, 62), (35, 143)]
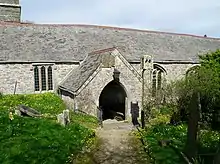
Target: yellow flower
[(11, 117)]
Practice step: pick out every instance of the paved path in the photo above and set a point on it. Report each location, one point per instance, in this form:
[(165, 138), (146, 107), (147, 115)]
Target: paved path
[(117, 145)]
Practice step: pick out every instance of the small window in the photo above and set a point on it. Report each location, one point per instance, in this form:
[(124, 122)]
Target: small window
[(36, 79), (157, 78), (43, 78), (50, 78)]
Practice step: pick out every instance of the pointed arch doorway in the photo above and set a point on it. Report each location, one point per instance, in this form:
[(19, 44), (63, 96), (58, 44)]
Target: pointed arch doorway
[(113, 101)]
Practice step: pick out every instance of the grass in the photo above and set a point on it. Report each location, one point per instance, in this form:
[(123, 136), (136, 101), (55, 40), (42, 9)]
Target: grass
[(158, 129), (85, 120), (45, 103), (26, 140)]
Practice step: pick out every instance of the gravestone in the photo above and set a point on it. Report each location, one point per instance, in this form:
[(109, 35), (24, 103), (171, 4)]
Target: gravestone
[(60, 119), (64, 118), (27, 111), (66, 114), (135, 113), (18, 112)]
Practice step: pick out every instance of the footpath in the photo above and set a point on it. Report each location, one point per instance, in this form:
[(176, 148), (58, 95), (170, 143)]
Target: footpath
[(117, 145)]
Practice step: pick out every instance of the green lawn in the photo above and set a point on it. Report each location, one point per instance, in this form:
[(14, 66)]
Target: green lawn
[(26, 140)]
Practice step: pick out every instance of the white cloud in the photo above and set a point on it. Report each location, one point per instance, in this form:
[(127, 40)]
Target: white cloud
[(185, 16)]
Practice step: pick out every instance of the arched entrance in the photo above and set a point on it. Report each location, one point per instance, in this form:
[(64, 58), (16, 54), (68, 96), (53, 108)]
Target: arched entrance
[(113, 100)]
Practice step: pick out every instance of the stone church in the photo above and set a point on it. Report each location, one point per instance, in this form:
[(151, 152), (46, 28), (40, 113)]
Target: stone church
[(91, 66)]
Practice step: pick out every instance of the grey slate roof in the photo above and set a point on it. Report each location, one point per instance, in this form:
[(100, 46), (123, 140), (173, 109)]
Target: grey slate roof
[(78, 76), (30, 42)]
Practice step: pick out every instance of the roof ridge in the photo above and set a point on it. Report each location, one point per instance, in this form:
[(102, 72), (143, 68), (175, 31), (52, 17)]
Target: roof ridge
[(105, 27), (102, 50)]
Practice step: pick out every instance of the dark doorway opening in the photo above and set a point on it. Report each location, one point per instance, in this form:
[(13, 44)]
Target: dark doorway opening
[(112, 101)]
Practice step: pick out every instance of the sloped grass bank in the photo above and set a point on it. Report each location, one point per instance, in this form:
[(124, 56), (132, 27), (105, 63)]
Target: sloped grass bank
[(85, 120), (45, 103), (26, 140)]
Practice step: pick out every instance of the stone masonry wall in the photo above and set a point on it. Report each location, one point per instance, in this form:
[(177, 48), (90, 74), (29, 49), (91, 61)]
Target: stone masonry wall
[(10, 13), (137, 67), (88, 99), (24, 75), (10, 73), (62, 71), (176, 71), (10, 1), (131, 83)]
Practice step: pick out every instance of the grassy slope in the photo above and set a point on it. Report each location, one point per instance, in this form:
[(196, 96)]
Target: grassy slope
[(34, 140)]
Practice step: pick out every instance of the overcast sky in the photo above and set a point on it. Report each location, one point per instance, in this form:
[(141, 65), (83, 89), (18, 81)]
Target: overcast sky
[(182, 16)]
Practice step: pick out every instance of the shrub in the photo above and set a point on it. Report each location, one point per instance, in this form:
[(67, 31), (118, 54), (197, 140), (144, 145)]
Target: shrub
[(208, 143), (160, 115), (165, 132)]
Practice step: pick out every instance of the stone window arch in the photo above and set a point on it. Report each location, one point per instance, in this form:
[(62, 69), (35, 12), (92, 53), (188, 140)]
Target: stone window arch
[(158, 78), (43, 78), (192, 70)]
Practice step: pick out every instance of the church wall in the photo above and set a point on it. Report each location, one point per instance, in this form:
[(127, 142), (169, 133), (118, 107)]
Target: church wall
[(10, 12), (10, 1), (130, 81), (62, 71), (88, 99), (24, 75), (137, 67), (176, 71)]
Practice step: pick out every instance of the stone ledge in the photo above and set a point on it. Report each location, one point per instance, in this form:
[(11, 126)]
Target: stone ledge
[(37, 62), (10, 5)]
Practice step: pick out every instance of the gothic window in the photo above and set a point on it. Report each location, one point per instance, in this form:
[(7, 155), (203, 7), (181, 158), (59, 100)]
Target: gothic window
[(50, 78), (157, 79), (36, 79), (43, 78)]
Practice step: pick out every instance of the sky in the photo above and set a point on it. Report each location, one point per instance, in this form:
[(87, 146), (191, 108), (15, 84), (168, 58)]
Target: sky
[(197, 17)]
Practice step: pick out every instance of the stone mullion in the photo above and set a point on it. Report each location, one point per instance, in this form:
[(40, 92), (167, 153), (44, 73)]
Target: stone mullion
[(53, 77)]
